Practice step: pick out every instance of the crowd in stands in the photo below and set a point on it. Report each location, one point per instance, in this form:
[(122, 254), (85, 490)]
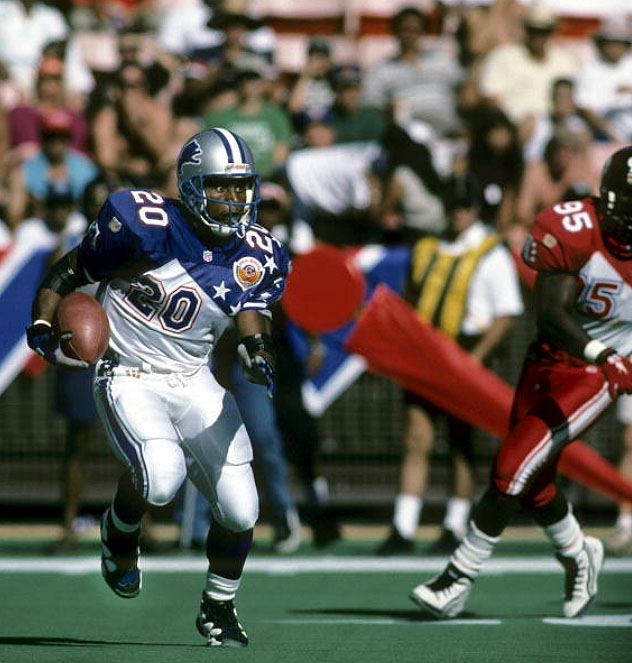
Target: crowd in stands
[(359, 148), (114, 88)]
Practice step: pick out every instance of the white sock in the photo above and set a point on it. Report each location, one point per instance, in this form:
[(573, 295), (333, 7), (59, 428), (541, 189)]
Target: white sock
[(120, 525), (566, 536), (221, 589), (624, 521), (475, 549), (456, 513), (320, 487), (406, 515)]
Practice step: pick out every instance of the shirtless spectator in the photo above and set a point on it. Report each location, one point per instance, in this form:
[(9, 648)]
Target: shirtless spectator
[(566, 172), (132, 131)]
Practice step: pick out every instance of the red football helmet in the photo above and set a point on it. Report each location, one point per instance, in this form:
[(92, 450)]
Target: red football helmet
[(616, 203)]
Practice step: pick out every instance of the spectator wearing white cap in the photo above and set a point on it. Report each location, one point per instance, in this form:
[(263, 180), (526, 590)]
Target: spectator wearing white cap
[(30, 30), (604, 84), (26, 27), (518, 77)]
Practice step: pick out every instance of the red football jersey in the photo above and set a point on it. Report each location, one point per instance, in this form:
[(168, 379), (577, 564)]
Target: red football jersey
[(566, 238)]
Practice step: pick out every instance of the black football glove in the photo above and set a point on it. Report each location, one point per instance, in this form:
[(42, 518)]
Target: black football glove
[(45, 341), (257, 356)]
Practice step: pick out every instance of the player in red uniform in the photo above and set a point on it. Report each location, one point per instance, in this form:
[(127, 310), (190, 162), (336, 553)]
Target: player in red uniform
[(578, 365)]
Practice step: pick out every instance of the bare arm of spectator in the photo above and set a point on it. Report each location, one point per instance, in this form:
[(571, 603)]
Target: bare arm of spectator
[(492, 336), (316, 65), (598, 124), (150, 122), (281, 152), (17, 197), (106, 141), (4, 144), (526, 205), (490, 26), (507, 210)]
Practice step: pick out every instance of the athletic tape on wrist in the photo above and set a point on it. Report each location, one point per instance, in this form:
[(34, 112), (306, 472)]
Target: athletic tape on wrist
[(593, 349)]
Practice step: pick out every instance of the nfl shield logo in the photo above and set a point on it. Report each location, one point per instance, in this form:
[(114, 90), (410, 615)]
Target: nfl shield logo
[(207, 256)]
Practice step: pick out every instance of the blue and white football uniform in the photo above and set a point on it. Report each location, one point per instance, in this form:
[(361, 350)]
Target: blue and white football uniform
[(168, 298)]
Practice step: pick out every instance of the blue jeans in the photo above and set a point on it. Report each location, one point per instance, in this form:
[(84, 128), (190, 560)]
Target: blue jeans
[(257, 412)]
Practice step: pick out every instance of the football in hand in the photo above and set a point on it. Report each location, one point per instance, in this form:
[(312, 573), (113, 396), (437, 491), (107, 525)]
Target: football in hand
[(82, 315)]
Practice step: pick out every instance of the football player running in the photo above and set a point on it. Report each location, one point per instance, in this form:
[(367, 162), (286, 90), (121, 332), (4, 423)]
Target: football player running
[(578, 365), (172, 273)]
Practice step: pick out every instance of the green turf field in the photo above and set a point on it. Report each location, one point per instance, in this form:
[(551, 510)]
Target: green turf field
[(345, 606)]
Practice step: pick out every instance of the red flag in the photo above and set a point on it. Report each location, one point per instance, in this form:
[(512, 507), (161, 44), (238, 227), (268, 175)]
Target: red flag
[(401, 346)]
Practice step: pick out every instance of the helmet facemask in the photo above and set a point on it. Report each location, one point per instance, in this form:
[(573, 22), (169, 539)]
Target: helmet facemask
[(218, 154), (239, 215), (616, 223)]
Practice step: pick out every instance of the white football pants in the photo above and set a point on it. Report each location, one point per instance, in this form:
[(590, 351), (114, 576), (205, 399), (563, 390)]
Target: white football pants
[(165, 426)]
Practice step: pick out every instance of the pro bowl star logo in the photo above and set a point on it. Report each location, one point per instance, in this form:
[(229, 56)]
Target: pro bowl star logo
[(248, 272), (191, 153)]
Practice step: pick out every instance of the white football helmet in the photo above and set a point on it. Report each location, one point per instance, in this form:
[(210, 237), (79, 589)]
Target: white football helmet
[(218, 153)]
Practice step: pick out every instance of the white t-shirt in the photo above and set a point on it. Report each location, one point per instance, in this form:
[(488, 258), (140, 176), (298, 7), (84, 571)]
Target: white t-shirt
[(332, 179), (23, 37), (603, 86), (184, 28), (521, 84), (421, 209), (494, 289)]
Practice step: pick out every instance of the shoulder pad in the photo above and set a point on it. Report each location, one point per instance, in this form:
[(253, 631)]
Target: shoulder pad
[(562, 237)]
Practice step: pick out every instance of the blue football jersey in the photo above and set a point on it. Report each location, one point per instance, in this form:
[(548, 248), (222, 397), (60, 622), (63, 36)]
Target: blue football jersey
[(168, 296)]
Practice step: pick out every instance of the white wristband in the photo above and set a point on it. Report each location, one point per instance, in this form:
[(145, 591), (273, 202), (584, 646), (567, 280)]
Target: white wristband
[(42, 322), (593, 349)]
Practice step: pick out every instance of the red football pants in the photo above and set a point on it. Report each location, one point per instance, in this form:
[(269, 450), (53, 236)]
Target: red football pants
[(557, 398)]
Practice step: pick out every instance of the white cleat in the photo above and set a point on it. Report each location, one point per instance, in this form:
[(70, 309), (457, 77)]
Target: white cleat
[(581, 576), (445, 595)]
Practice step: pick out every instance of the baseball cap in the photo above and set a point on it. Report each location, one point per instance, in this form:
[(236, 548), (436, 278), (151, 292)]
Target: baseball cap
[(461, 191), (615, 28), (318, 45), (55, 121), (539, 15), (346, 74)]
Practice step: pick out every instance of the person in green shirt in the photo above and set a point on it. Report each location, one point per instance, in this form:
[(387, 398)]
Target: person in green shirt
[(264, 125), (352, 121)]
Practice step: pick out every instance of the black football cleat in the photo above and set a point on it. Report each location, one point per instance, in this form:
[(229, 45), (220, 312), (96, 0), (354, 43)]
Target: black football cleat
[(119, 559), (445, 544), (217, 622), (395, 544)]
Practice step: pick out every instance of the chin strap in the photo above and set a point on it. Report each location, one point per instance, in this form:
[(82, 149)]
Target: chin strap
[(617, 248)]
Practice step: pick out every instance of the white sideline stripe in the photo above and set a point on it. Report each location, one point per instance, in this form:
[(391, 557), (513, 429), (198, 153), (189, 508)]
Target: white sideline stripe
[(592, 620), (388, 622), (289, 566)]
